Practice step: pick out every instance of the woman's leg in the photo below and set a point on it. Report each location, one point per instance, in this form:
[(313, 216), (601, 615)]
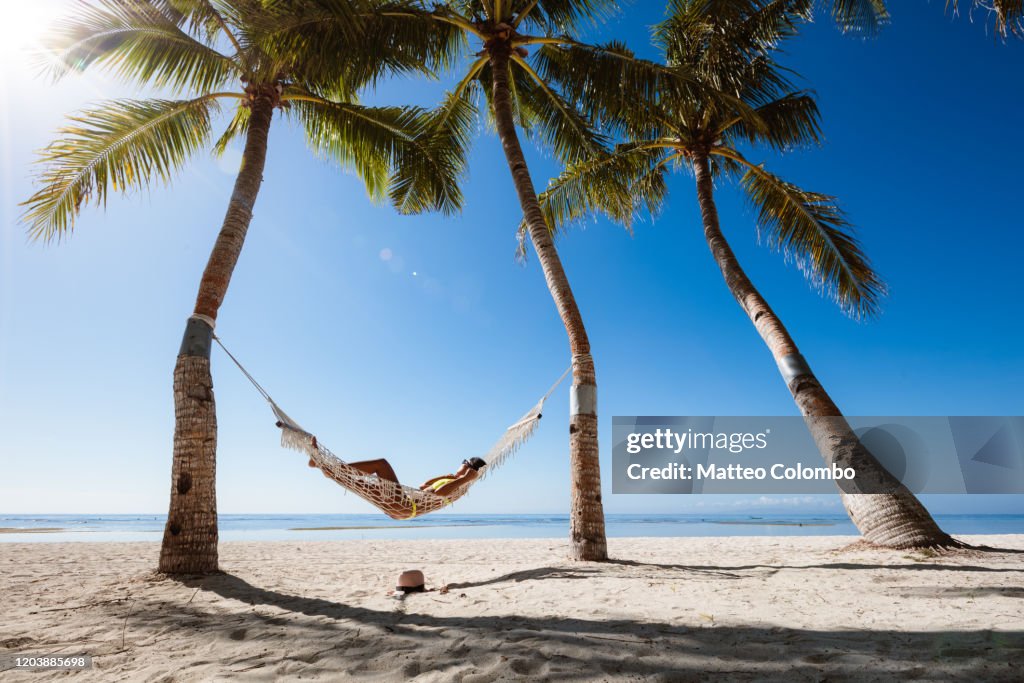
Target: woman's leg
[(381, 467)]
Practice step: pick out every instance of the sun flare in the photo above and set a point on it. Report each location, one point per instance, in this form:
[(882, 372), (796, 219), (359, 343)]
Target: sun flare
[(22, 26)]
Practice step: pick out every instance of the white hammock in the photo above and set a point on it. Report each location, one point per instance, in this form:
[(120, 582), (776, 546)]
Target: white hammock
[(393, 499)]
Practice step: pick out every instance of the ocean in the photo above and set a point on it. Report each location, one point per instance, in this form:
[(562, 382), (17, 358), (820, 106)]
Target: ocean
[(298, 527)]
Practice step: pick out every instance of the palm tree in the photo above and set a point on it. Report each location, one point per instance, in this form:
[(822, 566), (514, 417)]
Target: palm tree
[(518, 97), (238, 52), (727, 44)]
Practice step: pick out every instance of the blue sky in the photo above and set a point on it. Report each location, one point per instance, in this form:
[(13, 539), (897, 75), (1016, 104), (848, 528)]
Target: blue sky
[(419, 339)]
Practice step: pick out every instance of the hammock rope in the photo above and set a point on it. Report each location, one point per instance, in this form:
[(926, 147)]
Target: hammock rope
[(393, 499)]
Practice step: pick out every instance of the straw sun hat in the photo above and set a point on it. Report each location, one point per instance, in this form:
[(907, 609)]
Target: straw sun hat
[(411, 581)]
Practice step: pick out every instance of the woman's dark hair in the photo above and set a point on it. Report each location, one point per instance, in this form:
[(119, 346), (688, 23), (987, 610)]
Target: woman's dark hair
[(475, 463)]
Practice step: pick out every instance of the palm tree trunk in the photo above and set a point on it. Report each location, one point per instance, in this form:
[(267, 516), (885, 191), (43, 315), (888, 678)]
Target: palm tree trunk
[(894, 519), (586, 526), (190, 535)]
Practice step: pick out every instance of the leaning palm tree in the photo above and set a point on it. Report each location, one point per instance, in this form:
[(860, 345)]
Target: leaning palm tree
[(728, 45), (214, 52), (517, 97)]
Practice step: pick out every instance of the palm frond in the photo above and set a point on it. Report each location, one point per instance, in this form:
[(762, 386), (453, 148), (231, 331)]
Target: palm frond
[(772, 22), (632, 97), (205, 18), (787, 122), (811, 229), (559, 17), (1008, 14), (607, 81), (363, 139), (556, 121), (138, 41), (121, 145), (407, 39), (607, 183), (378, 37), (446, 135), (719, 39), (619, 184), (239, 125), (761, 80), (860, 16), (385, 146), (694, 28)]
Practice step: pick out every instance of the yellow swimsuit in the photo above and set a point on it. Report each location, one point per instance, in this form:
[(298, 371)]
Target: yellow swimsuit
[(433, 487)]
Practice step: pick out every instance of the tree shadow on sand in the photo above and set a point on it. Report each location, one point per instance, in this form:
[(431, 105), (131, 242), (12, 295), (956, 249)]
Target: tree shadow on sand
[(716, 572), (919, 565), (584, 571), (553, 647)]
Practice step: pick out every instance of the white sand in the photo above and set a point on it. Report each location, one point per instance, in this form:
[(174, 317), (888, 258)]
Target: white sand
[(669, 609)]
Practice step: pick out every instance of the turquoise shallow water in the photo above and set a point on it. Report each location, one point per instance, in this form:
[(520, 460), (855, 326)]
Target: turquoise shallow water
[(287, 527)]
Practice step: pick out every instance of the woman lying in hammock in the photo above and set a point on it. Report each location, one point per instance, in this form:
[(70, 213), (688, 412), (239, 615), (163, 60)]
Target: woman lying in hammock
[(449, 486)]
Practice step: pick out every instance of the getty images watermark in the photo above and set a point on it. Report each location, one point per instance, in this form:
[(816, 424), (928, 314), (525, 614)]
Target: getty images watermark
[(780, 454)]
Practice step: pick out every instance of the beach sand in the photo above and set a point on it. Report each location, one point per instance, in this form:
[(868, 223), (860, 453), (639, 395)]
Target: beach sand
[(768, 608)]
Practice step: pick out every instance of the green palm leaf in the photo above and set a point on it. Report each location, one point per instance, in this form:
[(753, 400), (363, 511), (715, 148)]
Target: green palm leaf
[(386, 148), (721, 39), (555, 17), (607, 183), (121, 145), (619, 184), (812, 230), (860, 16), (555, 121), (238, 126), (380, 37), (206, 18), (608, 81), (790, 121), (360, 138), (139, 42), (431, 180)]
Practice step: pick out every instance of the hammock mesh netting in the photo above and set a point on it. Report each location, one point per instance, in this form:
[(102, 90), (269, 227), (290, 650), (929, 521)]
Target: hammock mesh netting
[(397, 500), (393, 499)]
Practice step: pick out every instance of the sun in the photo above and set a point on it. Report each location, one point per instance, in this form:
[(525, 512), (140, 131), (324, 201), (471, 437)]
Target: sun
[(22, 26)]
